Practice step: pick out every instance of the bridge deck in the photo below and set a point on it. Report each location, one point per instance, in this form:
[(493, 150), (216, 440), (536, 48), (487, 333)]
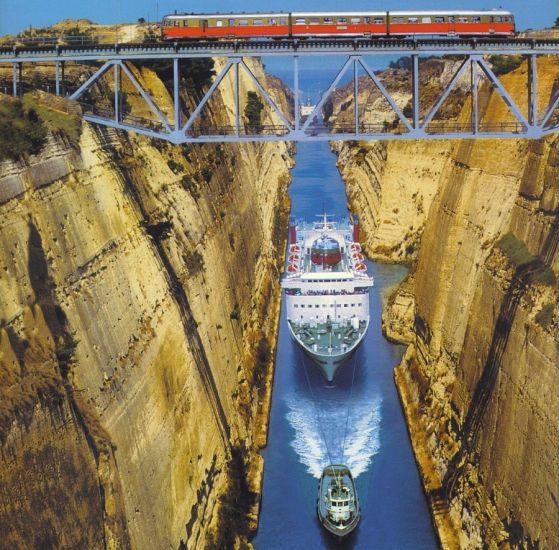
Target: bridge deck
[(255, 48)]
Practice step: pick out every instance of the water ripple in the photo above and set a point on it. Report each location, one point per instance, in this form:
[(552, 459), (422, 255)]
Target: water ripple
[(319, 433)]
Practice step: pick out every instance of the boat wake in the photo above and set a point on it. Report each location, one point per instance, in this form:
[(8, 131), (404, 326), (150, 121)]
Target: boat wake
[(319, 433)]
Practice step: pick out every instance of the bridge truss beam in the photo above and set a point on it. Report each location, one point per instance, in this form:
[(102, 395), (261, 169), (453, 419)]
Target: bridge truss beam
[(186, 127)]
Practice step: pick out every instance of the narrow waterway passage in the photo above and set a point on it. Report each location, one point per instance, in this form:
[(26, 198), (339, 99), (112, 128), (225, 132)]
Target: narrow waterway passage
[(363, 427)]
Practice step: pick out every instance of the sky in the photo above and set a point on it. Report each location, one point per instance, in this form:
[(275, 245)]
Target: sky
[(15, 15)]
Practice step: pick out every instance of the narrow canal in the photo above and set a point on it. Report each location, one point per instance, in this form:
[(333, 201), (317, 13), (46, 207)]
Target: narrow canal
[(311, 423)]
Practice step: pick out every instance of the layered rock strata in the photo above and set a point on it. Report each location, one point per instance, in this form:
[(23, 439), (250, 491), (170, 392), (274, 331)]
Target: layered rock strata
[(138, 305), (479, 313)]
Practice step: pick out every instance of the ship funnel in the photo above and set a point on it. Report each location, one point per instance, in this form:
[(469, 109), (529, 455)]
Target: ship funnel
[(292, 232)]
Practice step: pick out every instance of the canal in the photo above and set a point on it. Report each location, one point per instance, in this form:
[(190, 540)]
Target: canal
[(359, 424)]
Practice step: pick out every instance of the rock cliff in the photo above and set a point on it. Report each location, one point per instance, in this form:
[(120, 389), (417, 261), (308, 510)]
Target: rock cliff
[(479, 314), (138, 311)]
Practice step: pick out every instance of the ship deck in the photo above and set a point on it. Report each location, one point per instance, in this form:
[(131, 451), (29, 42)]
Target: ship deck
[(328, 336)]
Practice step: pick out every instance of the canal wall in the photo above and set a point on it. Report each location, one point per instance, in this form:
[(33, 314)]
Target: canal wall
[(479, 316), (139, 303)]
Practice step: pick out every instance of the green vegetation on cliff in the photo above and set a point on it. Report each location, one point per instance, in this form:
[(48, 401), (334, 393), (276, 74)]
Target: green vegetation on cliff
[(58, 122), (253, 111), (22, 132), (519, 255)]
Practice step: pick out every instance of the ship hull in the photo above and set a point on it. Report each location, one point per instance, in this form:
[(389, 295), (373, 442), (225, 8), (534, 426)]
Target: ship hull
[(328, 363), (340, 530)]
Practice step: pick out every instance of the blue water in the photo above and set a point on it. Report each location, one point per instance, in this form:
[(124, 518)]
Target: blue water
[(360, 424)]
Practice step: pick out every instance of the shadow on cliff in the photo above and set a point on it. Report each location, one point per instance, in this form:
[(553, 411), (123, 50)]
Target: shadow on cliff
[(483, 392)]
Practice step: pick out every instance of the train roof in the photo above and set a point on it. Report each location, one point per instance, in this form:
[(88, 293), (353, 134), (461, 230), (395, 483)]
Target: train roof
[(337, 13), (224, 15)]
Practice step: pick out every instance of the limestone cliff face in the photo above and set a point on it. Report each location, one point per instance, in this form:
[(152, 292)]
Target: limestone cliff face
[(392, 184), (138, 306), (479, 311), (392, 194)]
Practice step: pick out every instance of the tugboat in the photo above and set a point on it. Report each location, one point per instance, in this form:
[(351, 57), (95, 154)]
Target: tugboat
[(337, 505)]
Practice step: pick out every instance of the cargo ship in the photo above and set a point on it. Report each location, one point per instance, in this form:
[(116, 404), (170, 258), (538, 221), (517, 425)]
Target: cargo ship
[(327, 290)]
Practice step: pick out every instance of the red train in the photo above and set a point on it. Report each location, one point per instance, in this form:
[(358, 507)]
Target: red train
[(338, 24)]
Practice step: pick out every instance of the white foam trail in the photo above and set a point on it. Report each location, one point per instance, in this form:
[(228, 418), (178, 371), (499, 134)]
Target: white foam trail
[(314, 438), (363, 437)]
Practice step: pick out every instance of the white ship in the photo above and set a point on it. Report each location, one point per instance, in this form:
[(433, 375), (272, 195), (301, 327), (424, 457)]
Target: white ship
[(327, 291)]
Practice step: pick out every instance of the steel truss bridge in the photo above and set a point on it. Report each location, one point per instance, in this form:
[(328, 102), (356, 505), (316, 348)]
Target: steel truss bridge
[(536, 119)]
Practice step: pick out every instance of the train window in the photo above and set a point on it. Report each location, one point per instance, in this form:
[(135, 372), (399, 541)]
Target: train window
[(300, 22), (257, 22), (231, 22), (476, 19), (426, 20), (499, 19), (314, 21), (412, 20), (328, 20), (243, 22), (273, 22), (342, 20), (283, 21), (219, 23), (451, 18), (439, 19), (378, 20), (462, 20), (356, 19), (397, 20), (367, 19)]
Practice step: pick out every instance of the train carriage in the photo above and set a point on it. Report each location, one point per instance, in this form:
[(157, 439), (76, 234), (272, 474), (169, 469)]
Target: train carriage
[(398, 24)]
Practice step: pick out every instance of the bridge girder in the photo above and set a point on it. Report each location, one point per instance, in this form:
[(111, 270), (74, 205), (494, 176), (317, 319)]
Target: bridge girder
[(183, 128)]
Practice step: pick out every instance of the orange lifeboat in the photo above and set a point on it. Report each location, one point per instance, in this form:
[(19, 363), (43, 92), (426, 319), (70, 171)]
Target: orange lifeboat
[(294, 258), (292, 268), (294, 248), (357, 257), (360, 267), (356, 247)]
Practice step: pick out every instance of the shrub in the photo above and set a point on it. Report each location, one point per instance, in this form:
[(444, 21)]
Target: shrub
[(69, 125), (22, 132), (253, 111), (196, 74), (175, 167), (190, 185), (65, 353), (503, 64), (206, 174), (544, 317), (194, 262), (515, 249)]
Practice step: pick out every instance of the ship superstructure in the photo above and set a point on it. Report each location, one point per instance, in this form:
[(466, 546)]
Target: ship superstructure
[(327, 291), (337, 505)]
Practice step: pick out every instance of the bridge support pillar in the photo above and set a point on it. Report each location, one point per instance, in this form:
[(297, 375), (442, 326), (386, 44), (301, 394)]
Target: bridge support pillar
[(14, 79), (57, 77), (296, 99), (415, 92), (117, 92), (533, 92), (237, 99), (356, 94), (176, 96), (475, 97)]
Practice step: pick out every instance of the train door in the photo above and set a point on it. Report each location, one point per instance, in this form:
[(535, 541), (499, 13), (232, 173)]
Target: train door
[(452, 25), (204, 26)]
